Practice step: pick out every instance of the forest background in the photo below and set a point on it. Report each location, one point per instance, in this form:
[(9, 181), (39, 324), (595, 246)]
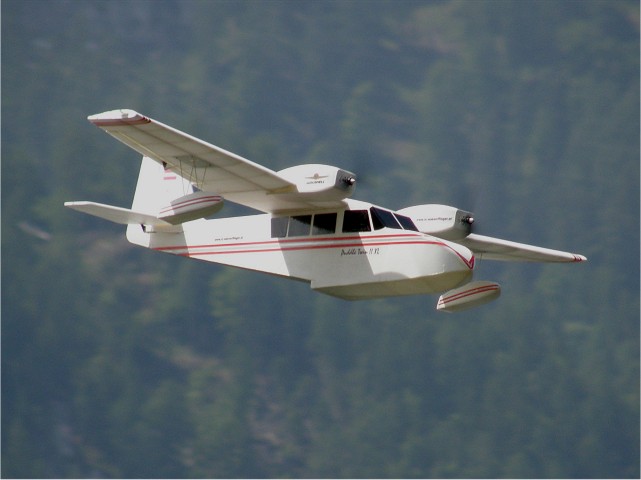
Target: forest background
[(120, 362)]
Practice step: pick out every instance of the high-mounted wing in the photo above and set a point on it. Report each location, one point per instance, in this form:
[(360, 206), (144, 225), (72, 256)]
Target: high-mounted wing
[(207, 166), (497, 249)]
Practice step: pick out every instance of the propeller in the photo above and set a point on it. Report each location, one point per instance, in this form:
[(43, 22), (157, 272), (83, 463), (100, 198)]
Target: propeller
[(349, 181)]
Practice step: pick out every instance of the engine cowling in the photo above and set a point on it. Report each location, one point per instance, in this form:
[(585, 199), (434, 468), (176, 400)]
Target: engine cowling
[(320, 182), (441, 221)]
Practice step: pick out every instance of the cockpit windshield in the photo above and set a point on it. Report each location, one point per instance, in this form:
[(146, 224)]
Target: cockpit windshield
[(406, 222), (353, 221), (384, 218)]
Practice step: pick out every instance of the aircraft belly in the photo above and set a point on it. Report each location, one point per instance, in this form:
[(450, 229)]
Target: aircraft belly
[(380, 289)]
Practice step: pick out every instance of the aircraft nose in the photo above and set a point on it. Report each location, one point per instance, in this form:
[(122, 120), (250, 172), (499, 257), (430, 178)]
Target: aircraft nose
[(462, 253), (456, 265)]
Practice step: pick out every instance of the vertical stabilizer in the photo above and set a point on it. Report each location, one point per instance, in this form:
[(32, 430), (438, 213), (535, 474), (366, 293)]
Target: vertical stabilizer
[(157, 187)]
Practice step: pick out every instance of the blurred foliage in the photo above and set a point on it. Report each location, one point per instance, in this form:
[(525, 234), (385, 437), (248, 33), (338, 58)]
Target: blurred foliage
[(119, 362)]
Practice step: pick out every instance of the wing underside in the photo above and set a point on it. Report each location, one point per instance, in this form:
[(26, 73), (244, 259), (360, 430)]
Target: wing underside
[(497, 249), (207, 166)]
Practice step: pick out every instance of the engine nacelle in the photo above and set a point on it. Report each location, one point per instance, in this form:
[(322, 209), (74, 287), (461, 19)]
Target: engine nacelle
[(320, 182), (441, 221)]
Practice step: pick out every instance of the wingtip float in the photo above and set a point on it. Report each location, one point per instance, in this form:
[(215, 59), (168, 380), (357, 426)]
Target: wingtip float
[(309, 229)]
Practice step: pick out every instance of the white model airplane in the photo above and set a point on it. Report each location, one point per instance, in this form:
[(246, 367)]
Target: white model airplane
[(310, 230)]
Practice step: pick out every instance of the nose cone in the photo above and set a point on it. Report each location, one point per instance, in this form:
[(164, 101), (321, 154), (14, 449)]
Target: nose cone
[(461, 253), (458, 265)]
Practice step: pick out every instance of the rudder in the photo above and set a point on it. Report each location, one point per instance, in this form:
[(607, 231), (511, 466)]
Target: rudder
[(157, 187)]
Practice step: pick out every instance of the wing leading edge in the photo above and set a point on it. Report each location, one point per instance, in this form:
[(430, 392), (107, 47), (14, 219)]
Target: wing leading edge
[(209, 167), (497, 249)]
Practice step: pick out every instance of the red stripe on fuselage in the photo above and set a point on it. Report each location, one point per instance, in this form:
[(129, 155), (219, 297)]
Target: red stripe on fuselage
[(315, 244), (285, 240)]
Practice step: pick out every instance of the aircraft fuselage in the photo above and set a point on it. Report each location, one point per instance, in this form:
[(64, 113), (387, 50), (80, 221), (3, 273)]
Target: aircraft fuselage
[(347, 264)]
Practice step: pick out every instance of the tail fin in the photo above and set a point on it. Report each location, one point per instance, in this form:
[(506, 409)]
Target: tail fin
[(163, 201), (157, 187), (171, 198)]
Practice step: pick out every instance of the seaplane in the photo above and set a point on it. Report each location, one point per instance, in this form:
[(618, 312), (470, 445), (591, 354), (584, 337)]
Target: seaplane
[(306, 226)]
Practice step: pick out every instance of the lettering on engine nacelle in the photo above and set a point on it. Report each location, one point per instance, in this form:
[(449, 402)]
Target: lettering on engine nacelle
[(441, 221), (321, 182)]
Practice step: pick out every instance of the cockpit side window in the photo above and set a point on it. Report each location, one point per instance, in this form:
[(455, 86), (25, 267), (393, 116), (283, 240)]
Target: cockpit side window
[(279, 227), (356, 221), (299, 225), (324, 223), (383, 218)]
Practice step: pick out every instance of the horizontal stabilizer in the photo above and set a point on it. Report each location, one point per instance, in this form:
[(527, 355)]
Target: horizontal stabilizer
[(120, 215), (497, 249)]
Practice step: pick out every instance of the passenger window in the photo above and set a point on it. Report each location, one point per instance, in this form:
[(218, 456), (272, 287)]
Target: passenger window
[(324, 223), (383, 218), (279, 227), (356, 221), (406, 222), (299, 225)]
